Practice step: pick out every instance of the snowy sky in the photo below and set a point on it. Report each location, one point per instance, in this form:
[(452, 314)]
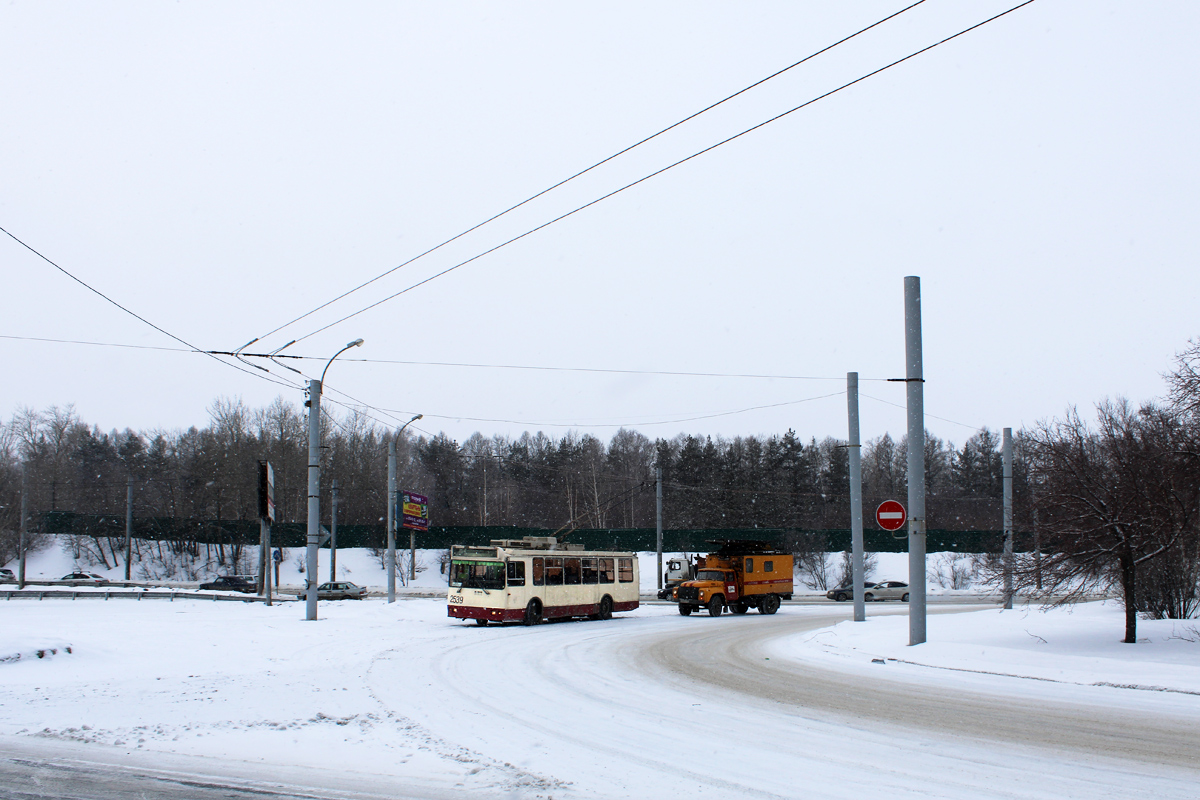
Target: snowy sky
[(222, 168)]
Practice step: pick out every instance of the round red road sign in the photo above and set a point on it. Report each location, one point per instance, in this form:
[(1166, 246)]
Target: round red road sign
[(890, 515)]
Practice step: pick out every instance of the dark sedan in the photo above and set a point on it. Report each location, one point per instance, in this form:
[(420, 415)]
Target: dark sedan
[(231, 583)]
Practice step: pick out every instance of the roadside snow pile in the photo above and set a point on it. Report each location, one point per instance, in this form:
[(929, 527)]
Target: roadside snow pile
[(1080, 645), (12, 650)]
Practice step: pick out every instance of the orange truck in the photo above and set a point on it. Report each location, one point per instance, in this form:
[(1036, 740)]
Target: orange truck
[(738, 576)]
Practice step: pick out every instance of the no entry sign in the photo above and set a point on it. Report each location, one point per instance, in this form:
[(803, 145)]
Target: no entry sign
[(890, 515)]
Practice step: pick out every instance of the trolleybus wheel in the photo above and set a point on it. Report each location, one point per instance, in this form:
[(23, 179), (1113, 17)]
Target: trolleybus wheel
[(685, 609), (606, 607), (714, 607), (533, 613), (481, 622)]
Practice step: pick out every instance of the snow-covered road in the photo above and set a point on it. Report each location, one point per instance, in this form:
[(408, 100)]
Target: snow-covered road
[(397, 700)]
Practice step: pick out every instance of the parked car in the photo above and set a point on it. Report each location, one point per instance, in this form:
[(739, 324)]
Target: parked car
[(232, 583), (6, 575), (337, 590), (888, 590), (846, 592), (84, 579)]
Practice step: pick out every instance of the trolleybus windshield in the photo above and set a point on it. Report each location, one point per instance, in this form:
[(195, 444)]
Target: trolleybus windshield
[(477, 574)]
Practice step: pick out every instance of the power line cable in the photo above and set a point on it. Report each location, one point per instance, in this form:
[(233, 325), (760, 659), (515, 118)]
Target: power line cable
[(135, 315), (589, 169), (661, 171), (943, 419)]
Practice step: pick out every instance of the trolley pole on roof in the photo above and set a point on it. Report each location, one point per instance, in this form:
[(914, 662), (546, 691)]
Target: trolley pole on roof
[(854, 451), (391, 523), (658, 522), (915, 385), (1008, 518)]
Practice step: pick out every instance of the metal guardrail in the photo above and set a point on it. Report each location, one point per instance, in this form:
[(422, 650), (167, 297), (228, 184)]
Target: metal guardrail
[(106, 594)]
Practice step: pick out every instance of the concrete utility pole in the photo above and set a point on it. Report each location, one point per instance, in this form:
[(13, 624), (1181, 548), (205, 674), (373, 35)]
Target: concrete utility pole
[(333, 533), (854, 451), (264, 546), (1008, 519), (658, 521), (314, 498), (314, 484), (128, 525), (915, 384), (24, 531), (391, 522)]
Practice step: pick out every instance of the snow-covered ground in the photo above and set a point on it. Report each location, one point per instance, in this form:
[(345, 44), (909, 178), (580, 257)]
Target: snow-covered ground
[(650, 704)]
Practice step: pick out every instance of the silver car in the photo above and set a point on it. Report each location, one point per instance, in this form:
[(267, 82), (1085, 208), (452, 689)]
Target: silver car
[(887, 590), (338, 590)]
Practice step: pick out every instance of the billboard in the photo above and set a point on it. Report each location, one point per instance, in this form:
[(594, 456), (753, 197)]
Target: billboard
[(266, 491), (414, 511)]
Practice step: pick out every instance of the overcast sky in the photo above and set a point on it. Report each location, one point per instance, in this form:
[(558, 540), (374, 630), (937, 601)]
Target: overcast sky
[(223, 168)]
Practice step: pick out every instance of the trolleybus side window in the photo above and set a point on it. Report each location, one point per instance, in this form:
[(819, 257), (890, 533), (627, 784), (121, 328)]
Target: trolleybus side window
[(572, 572), (607, 575), (750, 565), (539, 572), (589, 571), (768, 566), (625, 566), (477, 574), (554, 571), (516, 573)]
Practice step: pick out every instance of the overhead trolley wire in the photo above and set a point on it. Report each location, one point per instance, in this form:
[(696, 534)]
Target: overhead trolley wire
[(139, 317), (658, 172), (582, 172)]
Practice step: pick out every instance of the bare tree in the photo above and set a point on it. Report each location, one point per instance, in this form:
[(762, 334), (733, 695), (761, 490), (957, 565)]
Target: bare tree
[(1113, 503)]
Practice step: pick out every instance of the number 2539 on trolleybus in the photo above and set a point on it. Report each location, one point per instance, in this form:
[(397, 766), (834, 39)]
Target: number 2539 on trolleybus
[(537, 578)]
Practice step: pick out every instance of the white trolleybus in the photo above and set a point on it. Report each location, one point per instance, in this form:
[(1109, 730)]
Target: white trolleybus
[(537, 578)]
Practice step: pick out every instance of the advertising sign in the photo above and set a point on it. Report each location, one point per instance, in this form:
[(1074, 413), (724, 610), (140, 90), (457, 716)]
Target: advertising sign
[(266, 491), (414, 511)]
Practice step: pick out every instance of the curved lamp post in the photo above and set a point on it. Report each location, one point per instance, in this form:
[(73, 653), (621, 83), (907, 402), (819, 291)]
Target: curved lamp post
[(314, 484), (391, 512)]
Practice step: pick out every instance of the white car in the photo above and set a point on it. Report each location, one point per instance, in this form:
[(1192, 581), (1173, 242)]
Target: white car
[(887, 590), (84, 579)]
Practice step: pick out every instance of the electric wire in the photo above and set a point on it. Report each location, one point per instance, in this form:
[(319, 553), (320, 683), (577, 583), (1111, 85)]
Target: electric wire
[(459, 364), (135, 315), (592, 167), (934, 416), (658, 172)]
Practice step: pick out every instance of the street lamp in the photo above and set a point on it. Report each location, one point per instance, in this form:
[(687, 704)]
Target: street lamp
[(314, 483), (391, 514)]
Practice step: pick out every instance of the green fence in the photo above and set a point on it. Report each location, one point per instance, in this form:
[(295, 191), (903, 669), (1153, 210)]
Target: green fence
[(292, 534)]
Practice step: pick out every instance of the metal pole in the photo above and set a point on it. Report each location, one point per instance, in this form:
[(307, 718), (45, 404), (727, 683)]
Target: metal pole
[(915, 384), (264, 536), (24, 530), (391, 523), (314, 497), (856, 516), (128, 525), (333, 533), (658, 522), (1008, 519)]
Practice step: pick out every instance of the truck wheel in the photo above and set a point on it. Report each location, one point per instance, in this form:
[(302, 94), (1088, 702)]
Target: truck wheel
[(769, 604), (685, 609), (533, 613), (715, 606), (739, 607)]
